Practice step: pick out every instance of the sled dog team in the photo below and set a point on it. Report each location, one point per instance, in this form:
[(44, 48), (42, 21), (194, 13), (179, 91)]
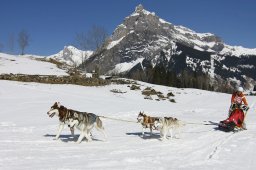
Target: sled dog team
[(85, 122)]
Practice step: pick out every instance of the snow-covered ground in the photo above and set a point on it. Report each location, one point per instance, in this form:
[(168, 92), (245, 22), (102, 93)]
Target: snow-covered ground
[(27, 133), (27, 65)]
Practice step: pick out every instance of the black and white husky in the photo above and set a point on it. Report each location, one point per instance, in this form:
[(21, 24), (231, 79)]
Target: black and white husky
[(168, 124), (85, 122)]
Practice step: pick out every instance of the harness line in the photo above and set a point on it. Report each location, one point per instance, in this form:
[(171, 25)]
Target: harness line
[(196, 123), (118, 119), (123, 120)]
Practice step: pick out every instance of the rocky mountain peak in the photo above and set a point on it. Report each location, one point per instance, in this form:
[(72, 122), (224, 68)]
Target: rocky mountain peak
[(139, 8), (144, 22), (140, 20)]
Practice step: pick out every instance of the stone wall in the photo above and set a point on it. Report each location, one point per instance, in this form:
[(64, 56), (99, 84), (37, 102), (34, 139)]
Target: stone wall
[(51, 79)]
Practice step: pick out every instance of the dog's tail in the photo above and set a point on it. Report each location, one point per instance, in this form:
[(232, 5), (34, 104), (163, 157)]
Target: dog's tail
[(99, 126), (99, 123)]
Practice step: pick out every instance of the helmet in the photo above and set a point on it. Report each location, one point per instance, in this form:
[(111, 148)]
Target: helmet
[(240, 89)]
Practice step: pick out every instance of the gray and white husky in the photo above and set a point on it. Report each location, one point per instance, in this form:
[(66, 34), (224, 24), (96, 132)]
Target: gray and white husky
[(168, 124), (85, 122)]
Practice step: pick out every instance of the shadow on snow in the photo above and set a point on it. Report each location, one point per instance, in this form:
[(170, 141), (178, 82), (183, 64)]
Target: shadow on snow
[(69, 138), (147, 135)]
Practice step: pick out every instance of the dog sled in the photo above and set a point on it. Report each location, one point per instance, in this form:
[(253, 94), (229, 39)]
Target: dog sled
[(235, 121)]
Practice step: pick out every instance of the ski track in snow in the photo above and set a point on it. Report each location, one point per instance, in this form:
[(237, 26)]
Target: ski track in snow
[(27, 133), (217, 148)]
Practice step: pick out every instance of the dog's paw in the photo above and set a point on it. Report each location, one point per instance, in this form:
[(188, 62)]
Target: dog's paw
[(163, 139), (169, 138), (143, 136)]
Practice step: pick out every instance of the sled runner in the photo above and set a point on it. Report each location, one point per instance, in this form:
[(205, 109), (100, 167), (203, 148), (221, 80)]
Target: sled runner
[(235, 120)]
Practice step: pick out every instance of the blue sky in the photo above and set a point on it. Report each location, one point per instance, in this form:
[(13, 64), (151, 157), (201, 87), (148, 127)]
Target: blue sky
[(52, 24)]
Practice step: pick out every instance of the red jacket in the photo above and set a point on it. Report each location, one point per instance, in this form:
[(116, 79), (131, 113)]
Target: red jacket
[(238, 99)]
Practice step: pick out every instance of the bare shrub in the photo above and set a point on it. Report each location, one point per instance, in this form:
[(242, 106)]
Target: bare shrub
[(170, 94), (172, 100), (134, 87)]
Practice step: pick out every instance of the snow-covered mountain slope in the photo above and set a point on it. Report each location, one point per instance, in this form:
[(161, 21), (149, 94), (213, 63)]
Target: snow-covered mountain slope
[(147, 40), (27, 133), (237, 50), (27, 65), (71, 56)]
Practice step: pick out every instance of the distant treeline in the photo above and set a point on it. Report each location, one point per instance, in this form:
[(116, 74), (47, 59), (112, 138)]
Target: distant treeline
[(184, 79)]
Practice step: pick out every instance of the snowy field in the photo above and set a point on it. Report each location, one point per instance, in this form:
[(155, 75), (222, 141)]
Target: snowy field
[(27, 133), (27, 65)]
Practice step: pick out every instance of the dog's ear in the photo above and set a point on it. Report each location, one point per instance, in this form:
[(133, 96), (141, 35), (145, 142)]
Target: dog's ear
[(58, 104), (55, 105)]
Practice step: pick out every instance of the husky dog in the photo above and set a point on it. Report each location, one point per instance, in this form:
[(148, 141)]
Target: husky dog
[(63, 113), (167, 124), (146, 121), (85, 122)]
